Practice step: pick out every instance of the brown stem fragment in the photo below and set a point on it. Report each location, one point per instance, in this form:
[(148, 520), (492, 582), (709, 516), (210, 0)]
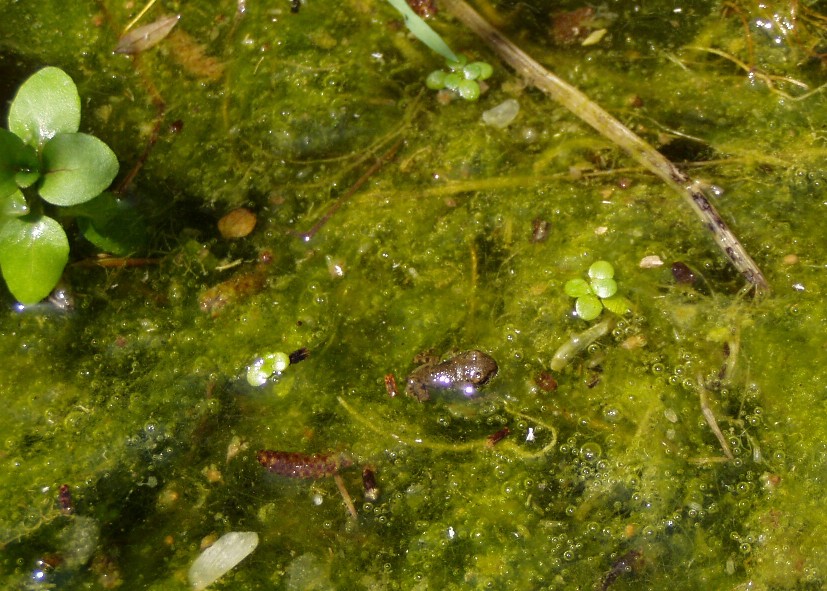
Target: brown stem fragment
[(380, 162), (589, 112)]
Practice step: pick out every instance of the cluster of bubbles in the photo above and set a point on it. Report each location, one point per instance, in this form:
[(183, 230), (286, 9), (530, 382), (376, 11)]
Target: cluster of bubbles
[(461, 78)]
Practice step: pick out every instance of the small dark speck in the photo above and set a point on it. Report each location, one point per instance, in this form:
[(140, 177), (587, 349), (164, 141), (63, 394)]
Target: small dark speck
[(683, 274)]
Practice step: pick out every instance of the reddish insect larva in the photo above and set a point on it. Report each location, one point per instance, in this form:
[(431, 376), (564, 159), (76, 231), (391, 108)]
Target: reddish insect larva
[(299, 465)]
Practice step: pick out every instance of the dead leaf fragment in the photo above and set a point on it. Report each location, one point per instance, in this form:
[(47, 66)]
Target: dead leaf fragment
[(148, 36)]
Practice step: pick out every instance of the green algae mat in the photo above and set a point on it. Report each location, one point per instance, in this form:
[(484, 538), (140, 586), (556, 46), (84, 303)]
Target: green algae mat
[(328, 241)]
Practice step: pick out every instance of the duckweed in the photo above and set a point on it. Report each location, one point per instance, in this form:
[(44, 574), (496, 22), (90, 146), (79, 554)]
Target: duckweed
[(462, 78), (592, 296)]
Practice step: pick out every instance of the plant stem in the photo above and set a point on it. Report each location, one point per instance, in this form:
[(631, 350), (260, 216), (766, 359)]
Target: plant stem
[(588, 111)]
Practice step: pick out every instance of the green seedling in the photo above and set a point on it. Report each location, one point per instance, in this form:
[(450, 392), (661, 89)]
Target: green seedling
[(600, 291), (46, 165), (461, 78)]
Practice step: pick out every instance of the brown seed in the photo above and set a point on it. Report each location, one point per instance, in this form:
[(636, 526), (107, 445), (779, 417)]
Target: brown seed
[(237, 224), (545, 381)]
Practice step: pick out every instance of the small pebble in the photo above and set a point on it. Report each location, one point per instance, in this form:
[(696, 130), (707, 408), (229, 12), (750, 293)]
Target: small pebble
[(237, 224), (650, 262)]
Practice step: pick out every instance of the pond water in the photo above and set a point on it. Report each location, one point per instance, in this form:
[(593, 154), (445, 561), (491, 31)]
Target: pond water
[(685, 447)]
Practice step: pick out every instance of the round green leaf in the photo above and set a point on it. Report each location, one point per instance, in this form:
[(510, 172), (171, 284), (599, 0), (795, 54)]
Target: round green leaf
[(588, 307), (485, 70), (472, 71), (45, 105), (452, 81), (33, 252), (617, 305), (435, 80), (604, 288), (469, 89), (77, 168), (576, 288), (18, 163), (601, 270)]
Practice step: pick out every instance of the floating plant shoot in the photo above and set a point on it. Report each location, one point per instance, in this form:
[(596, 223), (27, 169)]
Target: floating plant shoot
[(599, 292), (461, 78)]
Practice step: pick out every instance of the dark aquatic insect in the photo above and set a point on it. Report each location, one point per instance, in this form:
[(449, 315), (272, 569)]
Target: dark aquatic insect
[(299, 355), (64, 500), (627, 563), (369, 482), (545, 381), (494, 438), (298, 465), (295, 5), (390, 385)]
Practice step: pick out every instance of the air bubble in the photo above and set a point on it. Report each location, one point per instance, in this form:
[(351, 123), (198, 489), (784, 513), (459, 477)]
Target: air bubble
[(590, 451)]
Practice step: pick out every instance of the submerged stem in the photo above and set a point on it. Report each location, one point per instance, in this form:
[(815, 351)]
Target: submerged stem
[(340, 484), (588, 111), (709, 416)]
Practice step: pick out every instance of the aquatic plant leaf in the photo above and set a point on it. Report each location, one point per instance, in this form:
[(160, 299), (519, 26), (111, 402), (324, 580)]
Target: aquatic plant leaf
[(14, 205), (18, 163), (77, 168), (46, 104), (422, 31), (617, 304), (111, 224), (601, 270), (148, 36), (33, 252), (588, 307), (604, 288), (576, 288)]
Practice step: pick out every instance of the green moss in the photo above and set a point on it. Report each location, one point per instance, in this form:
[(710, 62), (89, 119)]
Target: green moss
[(139, 402)]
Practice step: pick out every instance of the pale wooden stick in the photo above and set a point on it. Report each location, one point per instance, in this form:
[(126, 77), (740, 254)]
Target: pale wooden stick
[(588, 111), (340, 484)]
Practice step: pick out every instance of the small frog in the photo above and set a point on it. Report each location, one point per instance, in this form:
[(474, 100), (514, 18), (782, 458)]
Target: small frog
[(462, 372)]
